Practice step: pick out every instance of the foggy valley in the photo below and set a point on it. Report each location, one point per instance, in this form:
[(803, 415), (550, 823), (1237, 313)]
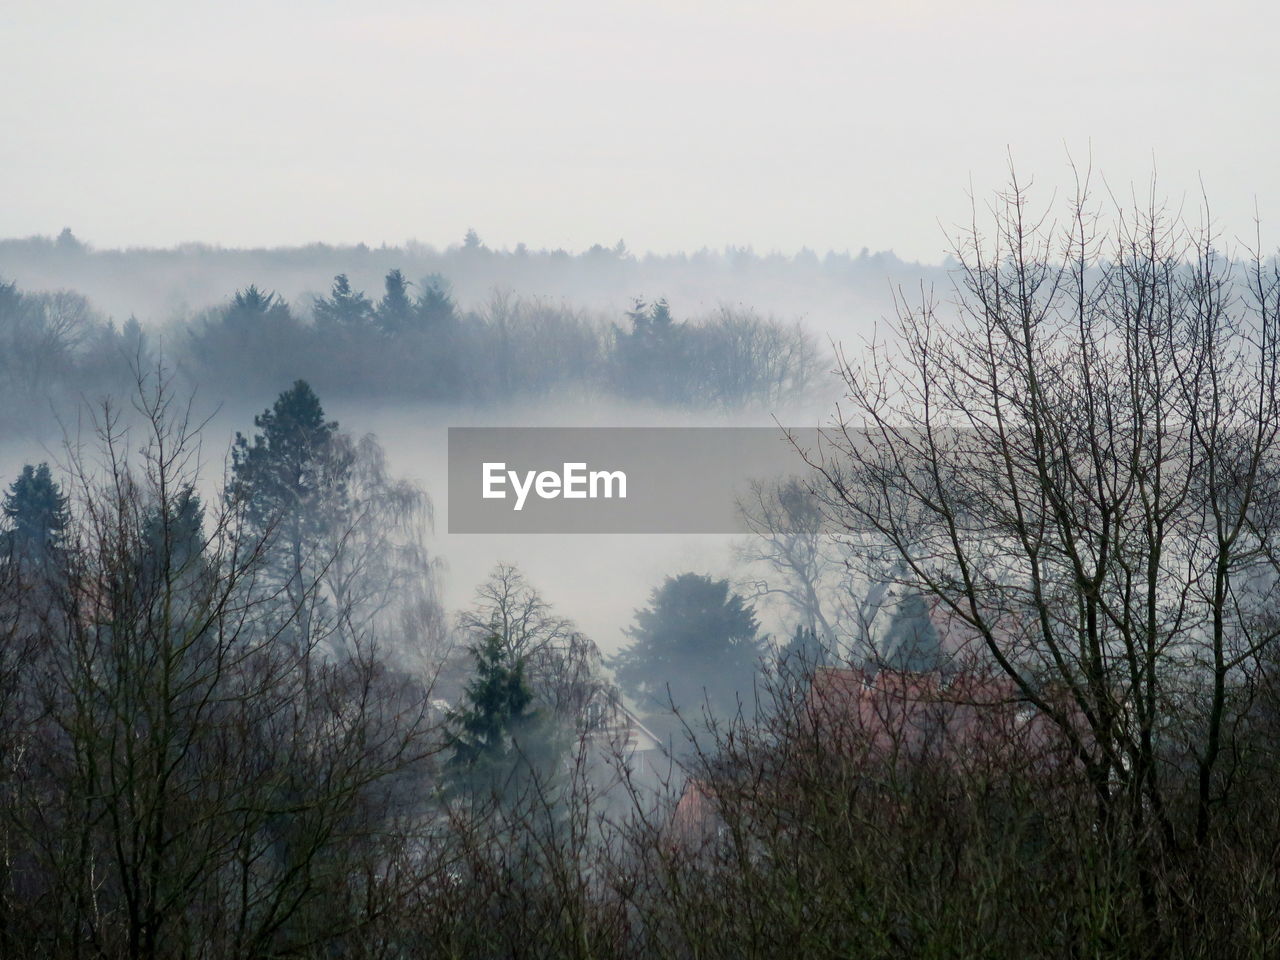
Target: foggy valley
[(603, 479)]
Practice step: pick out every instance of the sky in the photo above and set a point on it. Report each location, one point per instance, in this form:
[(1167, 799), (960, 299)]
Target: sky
[(670, 125)]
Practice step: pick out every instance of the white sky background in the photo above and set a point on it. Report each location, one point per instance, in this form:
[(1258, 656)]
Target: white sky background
[(571, 122)]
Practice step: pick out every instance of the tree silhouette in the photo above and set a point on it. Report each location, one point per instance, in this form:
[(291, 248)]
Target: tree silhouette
[(911, 641), (696, 643), (496, 738), (252, 309), (36, 511), (344, 307), (804, 651), (395, 311), (292, 479), (435, 307)]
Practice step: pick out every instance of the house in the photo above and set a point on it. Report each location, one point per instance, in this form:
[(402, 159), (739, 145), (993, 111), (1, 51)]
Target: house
[(933, 704), (619, 742)]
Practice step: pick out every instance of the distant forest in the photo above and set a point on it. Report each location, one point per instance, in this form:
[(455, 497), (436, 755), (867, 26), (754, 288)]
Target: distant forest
[(531, 324)]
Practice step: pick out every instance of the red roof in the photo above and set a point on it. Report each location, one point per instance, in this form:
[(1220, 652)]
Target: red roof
[(967, 716)]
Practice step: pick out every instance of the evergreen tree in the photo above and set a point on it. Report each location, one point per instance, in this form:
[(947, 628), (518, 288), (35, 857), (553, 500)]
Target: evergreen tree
[(651, 355), (804, 652), (696, 640), (344, 308), (435, 307), (173, 540), (911, 641), (292, 479), (36, 511), (252, 309), (13, 304), (395, 311), (496, 735)]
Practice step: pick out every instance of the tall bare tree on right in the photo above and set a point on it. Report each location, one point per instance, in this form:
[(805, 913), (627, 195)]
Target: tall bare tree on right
[(1075, 457)]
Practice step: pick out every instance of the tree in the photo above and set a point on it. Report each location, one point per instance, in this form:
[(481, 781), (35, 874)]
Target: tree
[(338, 530), (1080, 467), (495, 735), (803, 561), (911, 640), (560, 663), (395, 311), (292, 484), (241, 343), (797, 660), (695, 644), (252, 309), (36, 511), (182, 785), (434, 307), (651, 356), (172, 542), (344, 308)]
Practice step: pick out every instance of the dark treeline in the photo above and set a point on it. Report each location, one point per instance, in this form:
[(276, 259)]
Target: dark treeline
[(410, 341), (233, 727)]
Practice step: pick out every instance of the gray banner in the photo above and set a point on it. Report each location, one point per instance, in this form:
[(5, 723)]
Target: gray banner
[(613, 479)]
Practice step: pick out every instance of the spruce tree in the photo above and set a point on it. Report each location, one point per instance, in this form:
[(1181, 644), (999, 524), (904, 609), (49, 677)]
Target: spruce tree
[(434, 307), (395, 311), (252, 309), (36, 511), (496, 736), (292, 478), (344, 308), (173, 541), (696, 644), (804, 651), (911, 641)]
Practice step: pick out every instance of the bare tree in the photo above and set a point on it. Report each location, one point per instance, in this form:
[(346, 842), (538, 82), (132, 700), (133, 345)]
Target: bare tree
[(789, 538), (836, 586), (1077, 457), (563, 665)]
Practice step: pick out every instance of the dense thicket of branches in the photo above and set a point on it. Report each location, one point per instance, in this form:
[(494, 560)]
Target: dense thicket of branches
[(1061, 742), (1080, 464)]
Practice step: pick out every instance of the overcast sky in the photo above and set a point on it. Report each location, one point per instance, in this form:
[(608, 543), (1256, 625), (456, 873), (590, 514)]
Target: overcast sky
[(674, 125)]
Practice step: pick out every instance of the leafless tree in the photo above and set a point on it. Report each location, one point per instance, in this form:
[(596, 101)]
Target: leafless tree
[(562, 665), (1077, 456)]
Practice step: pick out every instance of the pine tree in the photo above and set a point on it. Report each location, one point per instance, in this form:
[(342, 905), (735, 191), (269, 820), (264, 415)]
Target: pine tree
[(173, 540), (434, 307), (651, 355), (36, 511), (696, 642), (395, 311), (495, 735), (804, 651), (252, 309), (292, 479), (344, 308), (911, 641)]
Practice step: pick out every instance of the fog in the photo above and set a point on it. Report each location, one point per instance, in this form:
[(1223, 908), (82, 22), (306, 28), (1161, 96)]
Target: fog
[(993, 666), (597, 580), (839, 293)]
